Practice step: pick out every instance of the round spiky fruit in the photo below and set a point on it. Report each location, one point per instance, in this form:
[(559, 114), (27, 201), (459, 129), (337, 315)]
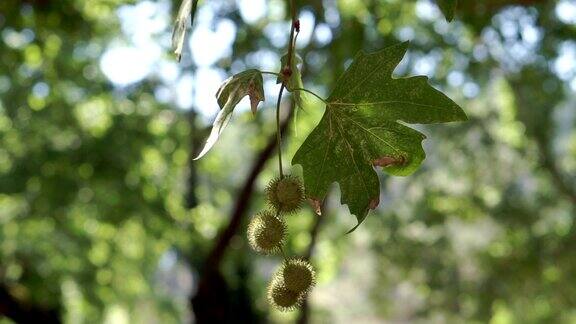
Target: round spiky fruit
[(266, 232), (298, 275), (283, 298), (285, 194)]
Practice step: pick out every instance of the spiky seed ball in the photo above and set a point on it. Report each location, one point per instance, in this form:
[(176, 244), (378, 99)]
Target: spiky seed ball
[(266, 232), (298, 275), (283, 298), (285, 194)]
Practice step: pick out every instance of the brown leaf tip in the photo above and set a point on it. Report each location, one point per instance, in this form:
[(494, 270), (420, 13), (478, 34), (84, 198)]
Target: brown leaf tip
[(386, 161), (255, 97), (374, 203), (316, 205)]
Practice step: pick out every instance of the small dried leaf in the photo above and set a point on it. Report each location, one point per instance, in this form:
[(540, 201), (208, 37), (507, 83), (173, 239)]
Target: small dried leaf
[(247, 83), (187, 9)]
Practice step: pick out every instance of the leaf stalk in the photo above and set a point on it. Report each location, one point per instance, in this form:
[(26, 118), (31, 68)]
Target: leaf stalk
[(291, 46)]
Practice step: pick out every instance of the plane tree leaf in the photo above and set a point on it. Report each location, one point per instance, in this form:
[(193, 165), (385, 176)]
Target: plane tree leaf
[(248, 83), (448, 8), (361, 129)]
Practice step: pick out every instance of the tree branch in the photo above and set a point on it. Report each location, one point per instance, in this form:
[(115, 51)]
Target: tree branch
[(305, 308), (558, 179)]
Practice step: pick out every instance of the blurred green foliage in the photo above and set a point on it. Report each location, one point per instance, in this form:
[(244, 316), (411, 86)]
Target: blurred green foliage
[(104, 218)]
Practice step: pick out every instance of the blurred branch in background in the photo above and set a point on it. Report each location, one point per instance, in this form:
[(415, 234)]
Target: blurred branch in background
[(195, 143), (537, 114), (304, 316), (561, 182)]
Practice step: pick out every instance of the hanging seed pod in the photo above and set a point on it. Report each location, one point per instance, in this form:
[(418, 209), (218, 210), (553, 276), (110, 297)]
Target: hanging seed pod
[(283, 298), (297, 275), (285, 194), (266, 232)]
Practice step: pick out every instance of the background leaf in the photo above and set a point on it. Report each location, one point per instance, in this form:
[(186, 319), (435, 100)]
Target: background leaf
[(247, 83), (359, 130), (448, 8)]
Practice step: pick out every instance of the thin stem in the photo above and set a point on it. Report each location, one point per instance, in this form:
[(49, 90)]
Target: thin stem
[(297, 89), (272, 73), (282, 251), (310, 92), (279, 131), (292, 29), (283, 86)]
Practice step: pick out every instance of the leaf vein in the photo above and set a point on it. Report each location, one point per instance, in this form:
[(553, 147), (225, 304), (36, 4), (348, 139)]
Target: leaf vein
[(360, 83), (341, 131), (382, 103), (367, 130)]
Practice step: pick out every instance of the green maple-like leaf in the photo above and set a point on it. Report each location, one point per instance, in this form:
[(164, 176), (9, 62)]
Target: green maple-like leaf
[(248, 83), (187, 9), (448, 8), (360, 130)]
